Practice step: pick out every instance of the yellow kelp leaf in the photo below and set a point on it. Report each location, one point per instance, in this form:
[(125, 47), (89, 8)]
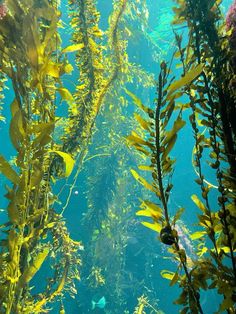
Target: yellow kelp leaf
[(68, 160), (142, 150), (145, 213), (149, 213), (13, 213), (32, 41), (178, 214), (52, 69), (41, 126), (32, 269), (14, 107), (44, 131), (65, 94), (137, 101), (218, 227), (80, 87), (96, 31), (134, 138), (73, 48), (199, 204), (142, 181), (146, 168), (197, 235), (186, 79), (143, 123), (178, 124), (18, 125), (205, 221), (93, 45), (169, 147), (153, 226), (7, 171), (149, 205), (174, 279), (68, 68), (167, 274), (15, 126), (226, 249)]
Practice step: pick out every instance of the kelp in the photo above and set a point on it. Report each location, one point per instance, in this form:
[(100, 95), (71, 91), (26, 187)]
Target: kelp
[(106, 223), (207, 84), (34, 235), (161, 141), (102, 60), (34, 61), (108, 215), (84, 19), (103, 63), (95, 79), (208, 30), (144, 303)]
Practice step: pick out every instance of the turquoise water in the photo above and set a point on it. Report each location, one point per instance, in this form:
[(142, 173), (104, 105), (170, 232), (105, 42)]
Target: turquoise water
[(105, 196)]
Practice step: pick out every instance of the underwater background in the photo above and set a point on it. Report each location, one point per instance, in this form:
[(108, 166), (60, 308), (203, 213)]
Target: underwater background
[(122, 264)]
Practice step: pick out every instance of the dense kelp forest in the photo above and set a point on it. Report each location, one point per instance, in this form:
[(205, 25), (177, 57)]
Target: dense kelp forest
[(116, 116)]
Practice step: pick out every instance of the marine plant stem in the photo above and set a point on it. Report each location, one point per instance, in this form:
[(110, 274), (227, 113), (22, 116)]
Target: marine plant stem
[(215, 148), (221, 189), (96, 101), (190, 285), (199, 166), (157, 142), (193, 123), (225, 99), (115, 45)]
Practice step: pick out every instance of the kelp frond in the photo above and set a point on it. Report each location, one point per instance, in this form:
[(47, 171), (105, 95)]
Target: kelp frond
[(211, 104)]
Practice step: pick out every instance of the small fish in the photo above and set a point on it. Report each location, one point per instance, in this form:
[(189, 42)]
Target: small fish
[(100, 304)]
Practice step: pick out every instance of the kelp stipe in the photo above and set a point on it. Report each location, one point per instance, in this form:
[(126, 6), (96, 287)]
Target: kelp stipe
[(208, 85), (84, 19), (99, 61), (157, 148)]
